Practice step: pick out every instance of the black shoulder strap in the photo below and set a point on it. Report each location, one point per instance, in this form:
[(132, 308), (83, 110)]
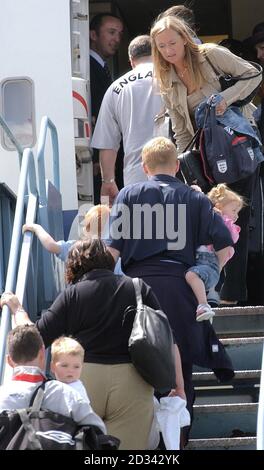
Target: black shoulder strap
[(190, 144), (196, 136), (137, 291), (240, 77), (217, 72), (38, 395)]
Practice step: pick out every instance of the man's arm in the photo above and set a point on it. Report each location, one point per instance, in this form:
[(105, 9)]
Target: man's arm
[(44, 237), (107, 163), (106, 138), (52, 324), (20, 316)]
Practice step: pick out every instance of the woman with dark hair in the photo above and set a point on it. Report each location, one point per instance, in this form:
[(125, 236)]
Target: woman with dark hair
[(91, 309), (86, 256)]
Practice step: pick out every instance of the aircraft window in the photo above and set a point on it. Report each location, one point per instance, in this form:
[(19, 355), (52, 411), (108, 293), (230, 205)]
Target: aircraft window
[(18, 110)]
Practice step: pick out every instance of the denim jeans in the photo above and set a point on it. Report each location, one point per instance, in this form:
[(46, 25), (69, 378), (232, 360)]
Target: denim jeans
[(207, 268)]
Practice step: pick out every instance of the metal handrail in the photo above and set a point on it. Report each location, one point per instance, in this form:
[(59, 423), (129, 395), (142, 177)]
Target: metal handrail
[(46, 124), (260, 420), (12, 138), (27, 181), (22, 273), (18, 265)]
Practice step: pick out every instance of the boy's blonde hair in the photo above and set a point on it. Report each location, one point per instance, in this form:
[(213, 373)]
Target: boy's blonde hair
[(221, 195), (159, 152), (95, 221), (66, 345)]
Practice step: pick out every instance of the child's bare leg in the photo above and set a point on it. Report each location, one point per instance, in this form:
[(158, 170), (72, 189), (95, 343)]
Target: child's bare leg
[(197, 286)]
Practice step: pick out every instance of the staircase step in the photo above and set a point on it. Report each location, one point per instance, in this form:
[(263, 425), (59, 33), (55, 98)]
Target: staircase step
[(239, 320), (226, 394), (231, 443), (225, 415), (244, 388), (224, 420), (245, 352), (202, 379), (234, 311)]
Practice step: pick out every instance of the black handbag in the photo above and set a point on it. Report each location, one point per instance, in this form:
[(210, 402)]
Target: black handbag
[(193, 167), (151, 345), (227, 80)]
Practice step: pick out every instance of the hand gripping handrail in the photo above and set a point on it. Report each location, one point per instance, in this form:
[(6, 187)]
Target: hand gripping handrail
[(46, 124)]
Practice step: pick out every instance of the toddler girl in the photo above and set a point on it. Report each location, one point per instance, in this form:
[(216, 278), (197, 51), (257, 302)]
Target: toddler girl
[(205, 274)]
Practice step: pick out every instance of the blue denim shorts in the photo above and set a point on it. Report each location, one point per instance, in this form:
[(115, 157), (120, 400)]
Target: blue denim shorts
[(207, 268)]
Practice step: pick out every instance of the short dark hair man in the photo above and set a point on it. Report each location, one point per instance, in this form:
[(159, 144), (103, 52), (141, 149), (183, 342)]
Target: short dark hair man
[(128, 111), (105, 36), (26, 355)]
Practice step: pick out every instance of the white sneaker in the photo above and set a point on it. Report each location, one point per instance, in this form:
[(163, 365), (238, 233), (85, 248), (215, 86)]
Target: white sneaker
[(204, 312)]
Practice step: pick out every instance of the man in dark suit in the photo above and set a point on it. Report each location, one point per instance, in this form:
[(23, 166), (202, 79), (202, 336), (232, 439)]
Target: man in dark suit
[(105, 36)]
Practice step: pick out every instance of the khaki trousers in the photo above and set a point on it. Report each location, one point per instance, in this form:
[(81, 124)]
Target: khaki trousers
[(123, 400)]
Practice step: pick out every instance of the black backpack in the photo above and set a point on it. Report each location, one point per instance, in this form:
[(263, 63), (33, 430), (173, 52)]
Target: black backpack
[(37, 429)]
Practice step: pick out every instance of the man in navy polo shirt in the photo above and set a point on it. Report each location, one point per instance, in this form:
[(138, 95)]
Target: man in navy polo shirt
[(156, 227), (163, 216)]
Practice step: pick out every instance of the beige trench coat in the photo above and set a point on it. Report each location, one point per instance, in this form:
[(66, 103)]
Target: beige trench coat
[(224, 61)]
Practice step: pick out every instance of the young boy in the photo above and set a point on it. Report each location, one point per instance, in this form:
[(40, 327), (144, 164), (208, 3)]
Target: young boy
[(95, 221), (26, 355), (96, 226), (67, 357)]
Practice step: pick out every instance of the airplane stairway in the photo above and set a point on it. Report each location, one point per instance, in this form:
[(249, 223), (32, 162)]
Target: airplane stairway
[(26, 268), (225, 415)]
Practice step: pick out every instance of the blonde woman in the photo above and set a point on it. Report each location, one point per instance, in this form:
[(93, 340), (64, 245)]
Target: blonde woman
[(185, 78)]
